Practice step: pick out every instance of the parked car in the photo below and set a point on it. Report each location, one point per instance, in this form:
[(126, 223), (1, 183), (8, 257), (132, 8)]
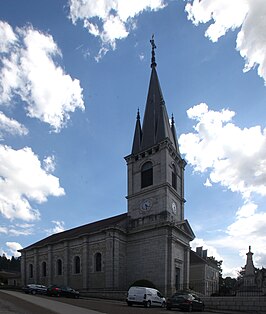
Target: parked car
[(185, 301), (62, 291), (145, 296), (34, 289)]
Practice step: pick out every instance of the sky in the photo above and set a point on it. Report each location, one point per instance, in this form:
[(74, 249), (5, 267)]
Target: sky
[(72, 77)]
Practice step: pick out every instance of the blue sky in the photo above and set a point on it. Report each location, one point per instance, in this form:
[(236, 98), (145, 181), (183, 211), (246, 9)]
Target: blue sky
[(72, 77)]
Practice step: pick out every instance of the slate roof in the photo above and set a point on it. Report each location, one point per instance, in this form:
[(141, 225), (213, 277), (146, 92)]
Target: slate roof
[(196, 259), (115, 221), (156, 126)]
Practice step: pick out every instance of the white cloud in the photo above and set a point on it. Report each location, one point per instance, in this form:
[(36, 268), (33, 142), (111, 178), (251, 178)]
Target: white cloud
[(11, 126), (22, 180), (3, 230), (236, 158), (7, 36), (247, 16), (17, 229), (22, 232), (49, 164), (59, 226), (30, 72), (110, 20), (212, 251), (13, 248), (247, 229), (208, 183)]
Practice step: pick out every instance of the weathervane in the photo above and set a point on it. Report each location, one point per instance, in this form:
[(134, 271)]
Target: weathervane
[(153, 63)]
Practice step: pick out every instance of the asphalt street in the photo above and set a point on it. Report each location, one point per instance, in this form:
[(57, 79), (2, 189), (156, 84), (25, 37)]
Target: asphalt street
[(21, 303)]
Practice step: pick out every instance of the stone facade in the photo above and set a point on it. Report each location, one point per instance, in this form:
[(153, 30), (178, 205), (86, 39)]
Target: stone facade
[(204, 274), (149, 242), (94, 260), (248, 304)]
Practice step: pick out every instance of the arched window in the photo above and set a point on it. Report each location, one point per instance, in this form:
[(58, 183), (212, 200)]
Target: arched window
[(174, 177), (146, 174), (59, 267), (31, 271), (77, 265), (44, 269), (98, 262)]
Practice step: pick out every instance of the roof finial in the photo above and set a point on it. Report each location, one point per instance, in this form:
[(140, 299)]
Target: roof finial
[(172, 120), (153, 63), (138, 115)]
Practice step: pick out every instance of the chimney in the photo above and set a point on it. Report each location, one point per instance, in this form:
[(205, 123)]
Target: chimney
[(199, 250)]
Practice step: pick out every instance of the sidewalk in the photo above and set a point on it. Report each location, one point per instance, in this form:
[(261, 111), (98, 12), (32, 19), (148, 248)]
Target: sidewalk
[(228, 311), (56, 307)]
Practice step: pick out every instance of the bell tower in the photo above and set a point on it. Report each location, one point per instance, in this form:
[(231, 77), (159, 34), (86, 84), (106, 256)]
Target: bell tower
[(155, 166)]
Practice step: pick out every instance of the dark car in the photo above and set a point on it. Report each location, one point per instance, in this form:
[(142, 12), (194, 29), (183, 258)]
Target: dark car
[(185, 301), (34, 289), (62, 291)]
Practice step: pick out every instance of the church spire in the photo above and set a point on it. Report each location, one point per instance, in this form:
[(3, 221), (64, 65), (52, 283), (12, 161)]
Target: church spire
[(156, 125)]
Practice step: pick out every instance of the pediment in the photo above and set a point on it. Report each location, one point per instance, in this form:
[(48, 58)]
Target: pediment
[(186, 228)]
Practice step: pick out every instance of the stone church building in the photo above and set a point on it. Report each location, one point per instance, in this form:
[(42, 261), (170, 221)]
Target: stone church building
[(151, 241)]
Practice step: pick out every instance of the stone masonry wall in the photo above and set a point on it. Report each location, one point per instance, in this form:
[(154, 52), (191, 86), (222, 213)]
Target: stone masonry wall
[(252, 304)]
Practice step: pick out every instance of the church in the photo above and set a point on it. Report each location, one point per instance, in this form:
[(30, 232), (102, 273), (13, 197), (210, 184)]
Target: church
[(151, 241)]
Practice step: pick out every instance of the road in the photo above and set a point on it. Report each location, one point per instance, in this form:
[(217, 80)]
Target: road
[(20, 303), (11, 304)]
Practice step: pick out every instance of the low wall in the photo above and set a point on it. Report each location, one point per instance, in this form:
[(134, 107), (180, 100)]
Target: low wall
[(252, 304)]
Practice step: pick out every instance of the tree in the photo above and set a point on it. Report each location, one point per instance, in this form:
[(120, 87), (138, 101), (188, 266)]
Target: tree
[(7, 264), (228, 286), (216, 263)]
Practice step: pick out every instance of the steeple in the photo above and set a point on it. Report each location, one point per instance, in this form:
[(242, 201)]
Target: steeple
[(155, 166), (156, 126), (137, 136)]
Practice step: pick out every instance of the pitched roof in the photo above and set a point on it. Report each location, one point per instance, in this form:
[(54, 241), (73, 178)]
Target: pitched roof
[(185, 227), (116, 221), (196, 259), (156, 125)]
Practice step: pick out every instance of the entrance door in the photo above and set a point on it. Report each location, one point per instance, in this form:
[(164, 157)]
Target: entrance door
[(177, 279)]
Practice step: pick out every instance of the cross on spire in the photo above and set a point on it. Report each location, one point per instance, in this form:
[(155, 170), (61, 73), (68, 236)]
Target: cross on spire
[(153, 46)]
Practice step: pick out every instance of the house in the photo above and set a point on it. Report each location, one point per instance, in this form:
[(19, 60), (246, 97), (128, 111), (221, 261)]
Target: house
[(204, 273), (10, 278)]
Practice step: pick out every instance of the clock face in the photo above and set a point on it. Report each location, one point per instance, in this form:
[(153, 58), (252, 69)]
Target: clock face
[(146, 205), (174, 207)]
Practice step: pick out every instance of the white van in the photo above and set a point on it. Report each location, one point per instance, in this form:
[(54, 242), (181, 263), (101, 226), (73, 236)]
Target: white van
[(145, 296)]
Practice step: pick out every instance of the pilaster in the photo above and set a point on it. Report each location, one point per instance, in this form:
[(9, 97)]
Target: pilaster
[(85, 263), (67, 269), (50, 265), (23, 268), (36, 266)]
